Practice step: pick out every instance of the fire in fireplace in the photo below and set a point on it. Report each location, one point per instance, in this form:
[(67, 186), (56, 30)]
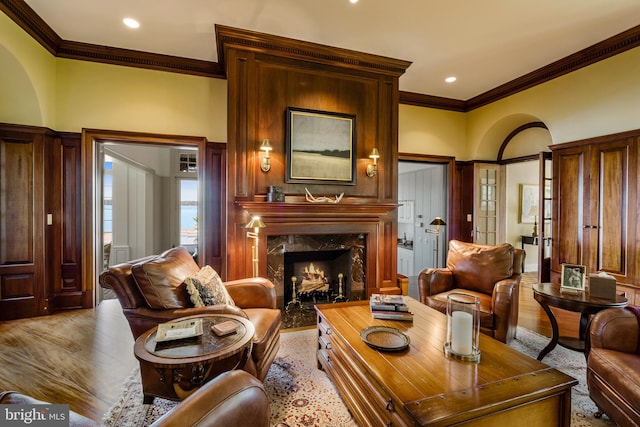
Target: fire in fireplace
[(326, 268), (319, 275)]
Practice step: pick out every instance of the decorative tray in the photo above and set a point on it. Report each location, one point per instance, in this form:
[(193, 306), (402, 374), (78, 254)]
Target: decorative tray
[(385, 338), (178, 330)]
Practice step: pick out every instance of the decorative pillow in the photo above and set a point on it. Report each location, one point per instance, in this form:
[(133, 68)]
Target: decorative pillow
[(206, 288)]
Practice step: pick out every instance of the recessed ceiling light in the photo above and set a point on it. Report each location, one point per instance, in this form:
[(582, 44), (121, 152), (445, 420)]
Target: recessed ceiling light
[(353, 1), (131, 23), (450, 79)]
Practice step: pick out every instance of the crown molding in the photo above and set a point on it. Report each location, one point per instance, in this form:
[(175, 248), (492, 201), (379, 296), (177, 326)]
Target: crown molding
[(30, 22), (600, 51), (302, 50)]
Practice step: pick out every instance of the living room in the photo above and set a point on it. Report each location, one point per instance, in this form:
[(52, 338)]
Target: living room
[(50, 98)]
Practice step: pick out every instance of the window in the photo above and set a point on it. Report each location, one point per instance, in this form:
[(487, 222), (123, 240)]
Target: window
[(188, 162), (107, 197), (188, 212)]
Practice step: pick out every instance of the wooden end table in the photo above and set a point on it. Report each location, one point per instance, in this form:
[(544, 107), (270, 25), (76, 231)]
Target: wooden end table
[(549, 295), (175, 369)]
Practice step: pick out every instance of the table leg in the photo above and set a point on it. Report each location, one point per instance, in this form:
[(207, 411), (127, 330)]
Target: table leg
[(584, 321), (555, 332)]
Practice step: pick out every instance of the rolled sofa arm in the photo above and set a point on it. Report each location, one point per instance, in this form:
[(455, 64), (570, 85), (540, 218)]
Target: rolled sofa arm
[(614, 329), (234, 398), (253, 292)]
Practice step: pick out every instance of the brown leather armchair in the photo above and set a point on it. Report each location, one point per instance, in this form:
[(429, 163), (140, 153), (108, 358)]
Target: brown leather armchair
[(233, 398), (491, 273), (253, 297), (613, 365)]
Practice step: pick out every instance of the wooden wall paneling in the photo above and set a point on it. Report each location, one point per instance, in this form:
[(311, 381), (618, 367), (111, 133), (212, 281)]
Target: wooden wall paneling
[(612, 195), (266, 74), (69, 289), (634, 235), (595, 206), (215, 193), (53, 206), (23, 292), (570, 182)]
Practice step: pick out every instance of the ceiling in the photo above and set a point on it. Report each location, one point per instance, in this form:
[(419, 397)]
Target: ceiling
[(483, 43)]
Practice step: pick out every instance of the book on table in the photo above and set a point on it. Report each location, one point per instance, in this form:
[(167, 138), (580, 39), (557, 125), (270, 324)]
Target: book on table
[(389, 307), (388, 303)]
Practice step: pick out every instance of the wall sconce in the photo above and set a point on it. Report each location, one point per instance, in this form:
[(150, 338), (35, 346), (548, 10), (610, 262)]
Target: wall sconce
[(256, 224), (372, 169), (265, 163)]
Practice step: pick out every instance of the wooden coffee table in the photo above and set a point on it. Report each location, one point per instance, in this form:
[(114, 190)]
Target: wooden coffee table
[(421, 386), (175, 369), (549, 295)]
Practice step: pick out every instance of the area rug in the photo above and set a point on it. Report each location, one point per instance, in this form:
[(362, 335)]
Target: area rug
[(302, 395)]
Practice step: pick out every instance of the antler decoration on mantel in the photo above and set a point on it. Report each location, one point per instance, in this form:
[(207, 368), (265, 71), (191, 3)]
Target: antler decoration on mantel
[(322, 199)]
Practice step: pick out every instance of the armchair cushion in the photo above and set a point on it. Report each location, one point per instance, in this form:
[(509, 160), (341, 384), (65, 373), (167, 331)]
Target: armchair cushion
[(161, 279), (206, 288), (479, 267)]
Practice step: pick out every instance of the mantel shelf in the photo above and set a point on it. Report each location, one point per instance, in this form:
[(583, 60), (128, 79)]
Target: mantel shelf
[(308, 209)]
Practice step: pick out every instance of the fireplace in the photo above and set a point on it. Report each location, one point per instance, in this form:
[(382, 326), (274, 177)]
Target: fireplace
[(327, 268)]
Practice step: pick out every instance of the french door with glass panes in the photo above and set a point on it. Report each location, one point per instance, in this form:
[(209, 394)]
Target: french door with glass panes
[(488, 227)]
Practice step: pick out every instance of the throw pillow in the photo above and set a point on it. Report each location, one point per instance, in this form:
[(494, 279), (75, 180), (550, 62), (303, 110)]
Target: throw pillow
[(206, 288)]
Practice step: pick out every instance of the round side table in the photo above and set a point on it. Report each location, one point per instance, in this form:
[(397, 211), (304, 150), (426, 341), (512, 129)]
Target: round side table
[(550, 295), (175, 369)]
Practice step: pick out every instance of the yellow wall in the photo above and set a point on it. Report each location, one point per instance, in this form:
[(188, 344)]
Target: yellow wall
[(68, 95), (431, 131), (100, 96), (27, 78), (600, 99)]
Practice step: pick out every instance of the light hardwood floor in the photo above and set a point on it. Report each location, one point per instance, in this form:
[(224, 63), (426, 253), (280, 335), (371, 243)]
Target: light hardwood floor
[(82, 357)]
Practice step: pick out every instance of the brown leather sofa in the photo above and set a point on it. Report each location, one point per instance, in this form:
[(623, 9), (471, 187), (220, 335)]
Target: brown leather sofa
[(489, 272), (613, 365), (167, 299), (233, 398)]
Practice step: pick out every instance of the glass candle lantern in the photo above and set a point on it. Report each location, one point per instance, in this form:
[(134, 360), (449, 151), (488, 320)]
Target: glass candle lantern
[(463, 327)]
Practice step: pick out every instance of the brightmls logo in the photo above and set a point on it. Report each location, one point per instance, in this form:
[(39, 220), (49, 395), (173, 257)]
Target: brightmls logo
[(34, 415)]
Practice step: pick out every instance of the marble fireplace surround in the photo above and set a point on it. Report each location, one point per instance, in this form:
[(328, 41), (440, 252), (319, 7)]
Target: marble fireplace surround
[(322, 249), (373, 224)]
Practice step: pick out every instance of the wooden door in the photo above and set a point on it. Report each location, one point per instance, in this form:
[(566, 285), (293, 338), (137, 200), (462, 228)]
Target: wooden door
[(570, 196), (22, 218), (608, 220)]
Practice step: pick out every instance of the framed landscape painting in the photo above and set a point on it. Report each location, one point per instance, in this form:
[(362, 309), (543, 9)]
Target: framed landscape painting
[(321, 147)]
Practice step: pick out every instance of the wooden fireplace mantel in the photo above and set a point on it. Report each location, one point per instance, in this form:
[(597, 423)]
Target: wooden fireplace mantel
[(283, 211)]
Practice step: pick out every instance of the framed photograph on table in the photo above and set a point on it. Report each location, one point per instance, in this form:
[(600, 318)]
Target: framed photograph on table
[(321, 147), (573, 278)]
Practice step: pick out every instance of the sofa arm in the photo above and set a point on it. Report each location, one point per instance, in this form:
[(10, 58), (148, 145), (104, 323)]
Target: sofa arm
[(254, 292), (505, 303), (233, 398), (433, 281), (614, 329)]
